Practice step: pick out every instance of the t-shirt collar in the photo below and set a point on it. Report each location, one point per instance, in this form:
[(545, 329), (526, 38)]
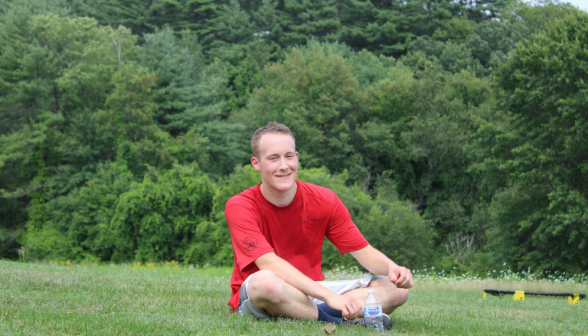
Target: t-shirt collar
[(272, 206)]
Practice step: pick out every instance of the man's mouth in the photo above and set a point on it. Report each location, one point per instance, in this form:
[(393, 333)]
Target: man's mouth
[(284, 175)]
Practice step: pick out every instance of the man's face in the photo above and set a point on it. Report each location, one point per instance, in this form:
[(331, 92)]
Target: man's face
[(277, 162)]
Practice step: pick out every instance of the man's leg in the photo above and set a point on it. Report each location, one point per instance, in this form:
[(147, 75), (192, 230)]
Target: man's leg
[(272, 294), (386, 291)]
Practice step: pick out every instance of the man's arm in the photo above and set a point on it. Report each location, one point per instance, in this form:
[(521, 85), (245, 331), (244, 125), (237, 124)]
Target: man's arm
[(349, 306), (377, 263)]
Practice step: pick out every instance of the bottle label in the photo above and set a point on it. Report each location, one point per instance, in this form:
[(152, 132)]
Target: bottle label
[(372, 311)]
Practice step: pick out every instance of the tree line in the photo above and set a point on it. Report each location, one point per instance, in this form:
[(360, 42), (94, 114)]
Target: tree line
[(454, 131)]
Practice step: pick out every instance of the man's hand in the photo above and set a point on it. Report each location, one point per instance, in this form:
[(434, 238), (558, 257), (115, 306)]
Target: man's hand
[(400, 276), (348, 305), (377, 263)]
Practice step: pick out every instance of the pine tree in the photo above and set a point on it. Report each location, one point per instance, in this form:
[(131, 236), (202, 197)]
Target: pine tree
[(199, 16), (386, 27), (133, 14), (190, 96), (297, 22)]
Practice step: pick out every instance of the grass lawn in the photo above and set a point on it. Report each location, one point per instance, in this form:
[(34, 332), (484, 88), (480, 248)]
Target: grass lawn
[(41, 299)]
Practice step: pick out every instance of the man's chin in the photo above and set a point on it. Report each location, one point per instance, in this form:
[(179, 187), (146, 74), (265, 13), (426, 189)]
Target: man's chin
[(284, 185)]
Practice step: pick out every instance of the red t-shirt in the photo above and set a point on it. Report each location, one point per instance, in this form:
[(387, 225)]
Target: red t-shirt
[(295, 232)]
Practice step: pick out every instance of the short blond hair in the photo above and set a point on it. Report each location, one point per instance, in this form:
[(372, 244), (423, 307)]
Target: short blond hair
[(271, 127)]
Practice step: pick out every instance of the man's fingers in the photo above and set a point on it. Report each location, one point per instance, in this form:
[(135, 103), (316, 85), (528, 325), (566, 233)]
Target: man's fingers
[(352, 309), (358, 307), (408, 282), (401, 277), (355, 308), (396, 275), (402, 283), (405, 280), (345, 313), (392, 277), (348, 305)]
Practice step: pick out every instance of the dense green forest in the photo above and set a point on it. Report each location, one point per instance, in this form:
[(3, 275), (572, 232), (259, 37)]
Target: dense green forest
[(455, 131)]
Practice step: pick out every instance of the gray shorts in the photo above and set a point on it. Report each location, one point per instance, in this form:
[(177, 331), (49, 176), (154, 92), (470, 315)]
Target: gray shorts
[(340, 287)]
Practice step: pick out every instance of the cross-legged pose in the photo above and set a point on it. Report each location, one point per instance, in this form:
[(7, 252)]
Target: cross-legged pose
[(277, 230)]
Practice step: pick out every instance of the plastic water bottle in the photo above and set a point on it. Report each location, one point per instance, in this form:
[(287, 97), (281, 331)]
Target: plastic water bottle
[(372, 311)]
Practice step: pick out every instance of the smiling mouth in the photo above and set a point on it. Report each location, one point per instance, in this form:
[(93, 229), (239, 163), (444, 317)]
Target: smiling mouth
[(285, 175)]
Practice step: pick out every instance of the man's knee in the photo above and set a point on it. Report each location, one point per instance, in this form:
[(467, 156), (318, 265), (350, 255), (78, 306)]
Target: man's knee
[(400, 297), (393, 297), (265, 286)]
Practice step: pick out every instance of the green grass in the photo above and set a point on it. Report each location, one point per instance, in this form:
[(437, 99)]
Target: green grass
[(41, 299)]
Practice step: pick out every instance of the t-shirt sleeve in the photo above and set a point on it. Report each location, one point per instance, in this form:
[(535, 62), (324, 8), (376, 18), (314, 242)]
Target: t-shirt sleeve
[(341, 230), (248, 241)]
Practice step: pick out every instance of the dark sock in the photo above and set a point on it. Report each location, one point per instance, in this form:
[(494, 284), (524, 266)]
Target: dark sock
[(323, 316), (330, 311)]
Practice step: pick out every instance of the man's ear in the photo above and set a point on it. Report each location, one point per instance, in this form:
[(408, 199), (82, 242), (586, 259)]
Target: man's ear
[(255, 163)]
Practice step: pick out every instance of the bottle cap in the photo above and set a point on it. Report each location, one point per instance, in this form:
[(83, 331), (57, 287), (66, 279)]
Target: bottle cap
[(370, 291)]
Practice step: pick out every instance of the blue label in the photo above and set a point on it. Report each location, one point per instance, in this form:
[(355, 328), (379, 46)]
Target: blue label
[(372, 311)]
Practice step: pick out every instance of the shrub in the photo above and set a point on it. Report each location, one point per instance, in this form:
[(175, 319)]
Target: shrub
[(77, 226), (159, 217)]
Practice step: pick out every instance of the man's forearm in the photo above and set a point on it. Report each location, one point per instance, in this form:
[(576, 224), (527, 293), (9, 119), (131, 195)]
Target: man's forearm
[(377, 263), (374, 260), (285, 271)]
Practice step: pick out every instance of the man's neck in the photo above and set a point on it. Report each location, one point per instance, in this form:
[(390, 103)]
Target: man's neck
[(278, 198)]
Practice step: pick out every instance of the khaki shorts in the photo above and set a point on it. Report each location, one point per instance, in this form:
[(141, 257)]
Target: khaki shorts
[(339, 287)]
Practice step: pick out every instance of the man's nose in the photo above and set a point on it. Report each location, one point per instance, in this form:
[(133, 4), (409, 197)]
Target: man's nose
[(283, 164)]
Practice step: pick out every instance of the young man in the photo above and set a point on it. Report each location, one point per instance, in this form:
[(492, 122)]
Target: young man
[(277, 230)]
